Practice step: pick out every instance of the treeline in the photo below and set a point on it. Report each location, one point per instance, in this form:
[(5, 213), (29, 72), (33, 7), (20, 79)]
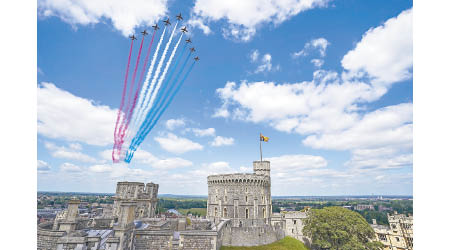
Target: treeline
[(165, 204)]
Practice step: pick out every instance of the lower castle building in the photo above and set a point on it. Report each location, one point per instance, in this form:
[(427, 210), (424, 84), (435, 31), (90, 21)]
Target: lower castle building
[(398, 235), (239, 213), (145, 196)]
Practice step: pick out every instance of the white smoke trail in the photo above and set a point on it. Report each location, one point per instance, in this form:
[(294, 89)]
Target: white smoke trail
[(148, 104), (142, 96), (163, 75)]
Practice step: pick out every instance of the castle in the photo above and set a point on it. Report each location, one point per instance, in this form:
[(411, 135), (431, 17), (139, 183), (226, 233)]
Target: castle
[(239, 213)]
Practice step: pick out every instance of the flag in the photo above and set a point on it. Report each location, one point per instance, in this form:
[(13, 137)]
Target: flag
[(263, 138)]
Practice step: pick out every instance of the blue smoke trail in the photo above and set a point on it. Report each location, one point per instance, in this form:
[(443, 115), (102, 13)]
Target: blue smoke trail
[(147, 129), (133, 146), (161, 93)]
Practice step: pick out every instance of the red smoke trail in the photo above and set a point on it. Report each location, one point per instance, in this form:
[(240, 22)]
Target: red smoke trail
[(133, 79), (137, 90), (119, 113)]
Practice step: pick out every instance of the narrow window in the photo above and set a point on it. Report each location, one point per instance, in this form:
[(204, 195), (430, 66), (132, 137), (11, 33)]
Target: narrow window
[(246, 213), (215, 212), (295, 222), (225, 213), (246, 198)]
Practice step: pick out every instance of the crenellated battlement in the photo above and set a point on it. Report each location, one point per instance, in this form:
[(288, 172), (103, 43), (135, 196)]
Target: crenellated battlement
[(239, 179)]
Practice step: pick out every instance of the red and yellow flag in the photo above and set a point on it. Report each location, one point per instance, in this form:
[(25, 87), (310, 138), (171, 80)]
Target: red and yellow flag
[(263, 138)]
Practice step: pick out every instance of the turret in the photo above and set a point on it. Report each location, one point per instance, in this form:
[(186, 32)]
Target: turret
[(261, 168)]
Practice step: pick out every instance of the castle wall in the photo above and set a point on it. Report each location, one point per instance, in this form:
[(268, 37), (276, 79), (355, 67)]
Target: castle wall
[(145, 196), (294, 224), (46, 238), (254, 236), (153, 240)]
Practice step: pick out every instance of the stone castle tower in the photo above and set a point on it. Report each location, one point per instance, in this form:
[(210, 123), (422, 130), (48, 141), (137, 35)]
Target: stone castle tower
[(145, 197), (244, 198)]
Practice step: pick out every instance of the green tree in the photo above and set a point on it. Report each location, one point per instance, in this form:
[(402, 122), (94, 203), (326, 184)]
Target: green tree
[(338, 228)]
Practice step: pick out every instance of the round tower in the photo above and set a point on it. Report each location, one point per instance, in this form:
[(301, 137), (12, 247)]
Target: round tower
[(261, 168)]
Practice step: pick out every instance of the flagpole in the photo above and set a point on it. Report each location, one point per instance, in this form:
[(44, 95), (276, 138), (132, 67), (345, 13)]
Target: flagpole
[(260, 147)]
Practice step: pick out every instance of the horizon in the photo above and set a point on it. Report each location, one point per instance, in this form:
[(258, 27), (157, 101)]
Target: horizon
[(200, 195)]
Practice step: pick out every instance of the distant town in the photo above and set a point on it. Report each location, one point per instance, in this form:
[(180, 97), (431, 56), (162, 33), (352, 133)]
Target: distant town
[(95, 204)]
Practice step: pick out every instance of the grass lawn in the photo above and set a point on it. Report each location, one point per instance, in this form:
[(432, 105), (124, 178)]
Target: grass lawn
[(201, 211), (287, 243)]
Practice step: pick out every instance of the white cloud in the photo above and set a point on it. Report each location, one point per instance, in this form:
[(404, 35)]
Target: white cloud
[(178, 145), (244, 17), (70, 168), (199, 23), (303, 107), (387, 126), (254, 55), (101, 168), (125, 16), (222, 141), (318, 44), (244, 169), (63, 115), (317, 62), (71, 153), (43, 167), (297, 163), (171, 124), (385, 53), (328, 114), (121, 171), (203, 132), (265, 62), (145, 157), (219, 167)]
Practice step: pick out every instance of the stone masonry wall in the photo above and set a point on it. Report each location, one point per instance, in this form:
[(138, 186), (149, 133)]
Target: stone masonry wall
[(254, 236), (47, 239), (153, 240)]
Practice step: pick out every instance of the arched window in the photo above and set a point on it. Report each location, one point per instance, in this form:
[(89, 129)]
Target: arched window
[(246, 213), (225, 212), (215, 212), (246, 198)]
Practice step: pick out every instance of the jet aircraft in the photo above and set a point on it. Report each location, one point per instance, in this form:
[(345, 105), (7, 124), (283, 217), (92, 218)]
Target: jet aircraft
[(188, 40), (133, 37), (184, 30), (192, 49), (196, 58), (144, 33), (179, 17), (155, 27), (167, 22)]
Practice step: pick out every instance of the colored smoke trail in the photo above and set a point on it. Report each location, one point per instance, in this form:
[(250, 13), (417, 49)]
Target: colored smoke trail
[(147, 106), (146, 90), (119, 112), (137, 90), (160, 81), (150, 115), (129, 98), (148, 128)]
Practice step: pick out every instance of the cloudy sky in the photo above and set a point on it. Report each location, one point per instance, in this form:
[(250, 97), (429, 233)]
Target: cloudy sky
[(328, 81)]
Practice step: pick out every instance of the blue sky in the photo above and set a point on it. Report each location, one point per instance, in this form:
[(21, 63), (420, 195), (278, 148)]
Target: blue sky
[(329, 82)]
